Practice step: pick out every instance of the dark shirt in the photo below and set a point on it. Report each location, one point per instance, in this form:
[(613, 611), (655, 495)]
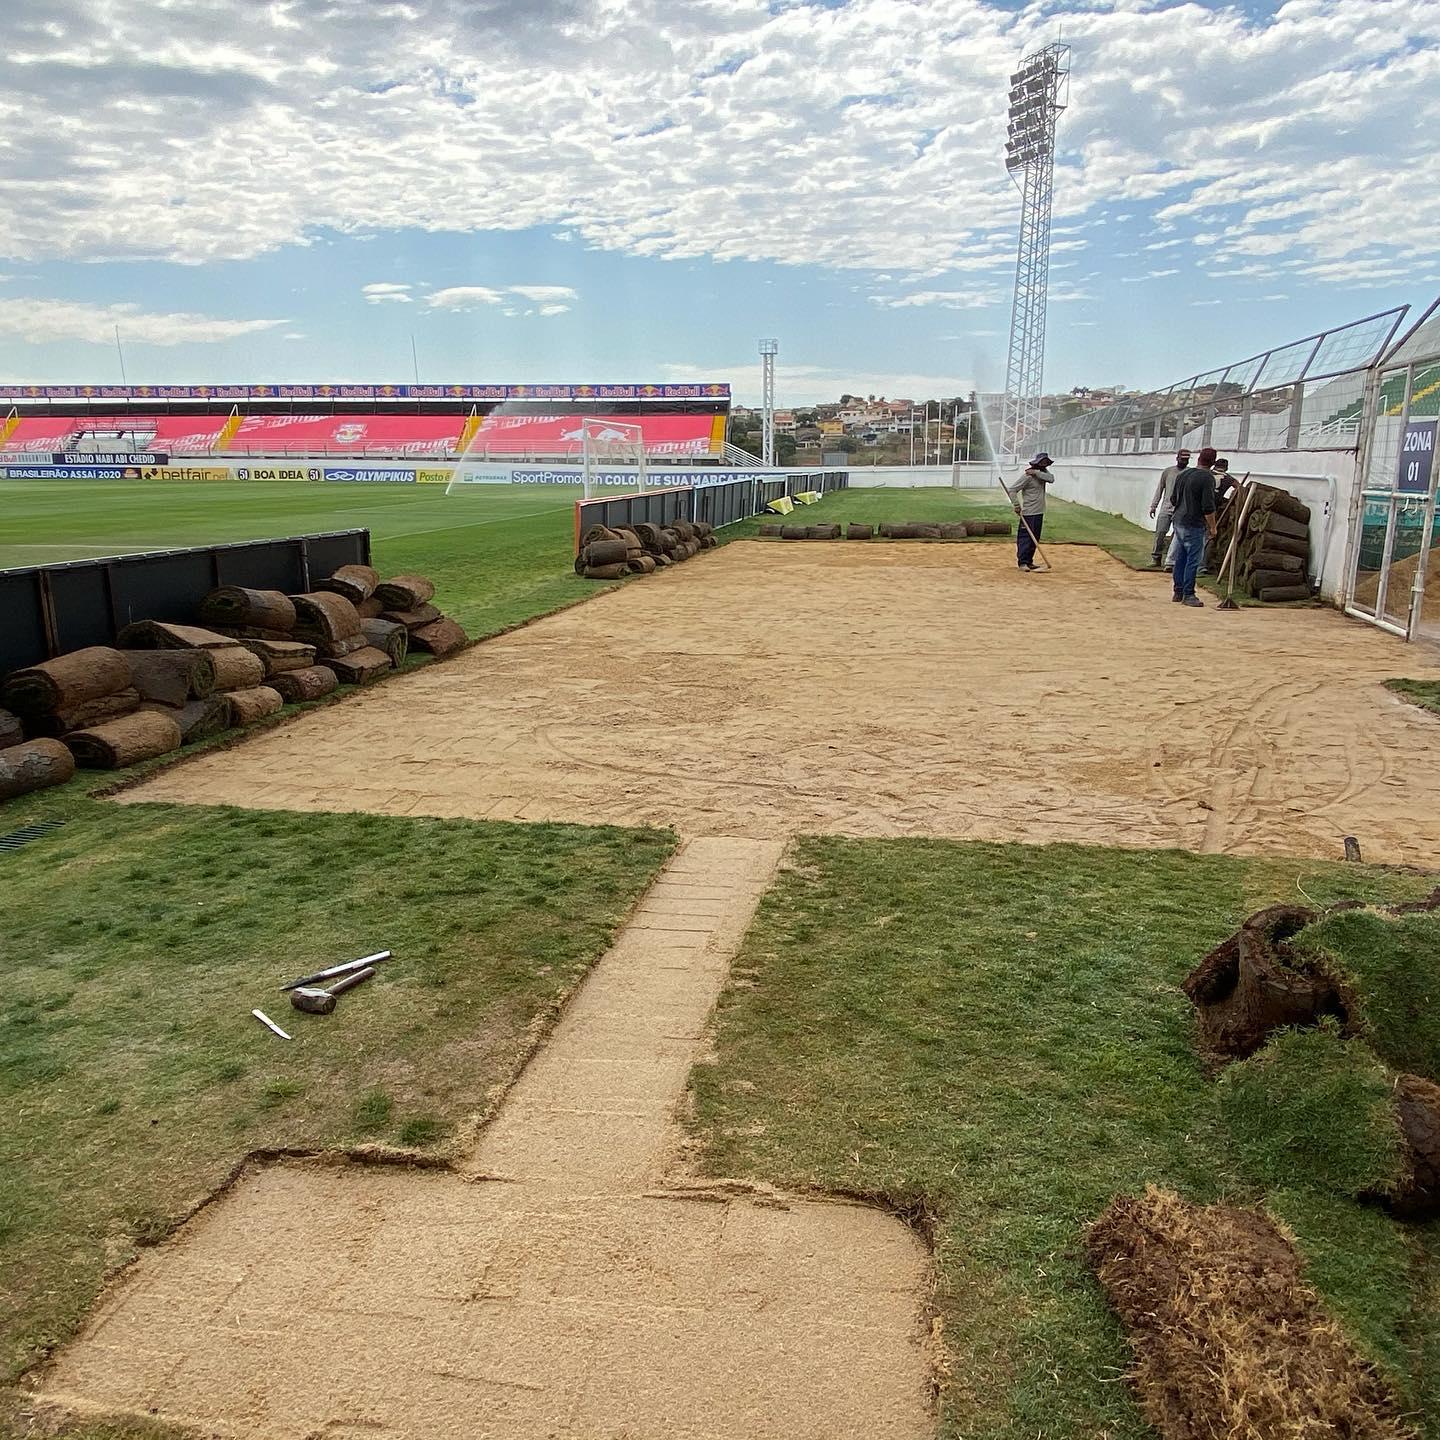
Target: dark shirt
[(1194, 496), (1225, 486)]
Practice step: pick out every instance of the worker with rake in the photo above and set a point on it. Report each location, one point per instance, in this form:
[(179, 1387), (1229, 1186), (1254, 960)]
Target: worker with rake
[(1028, 497)]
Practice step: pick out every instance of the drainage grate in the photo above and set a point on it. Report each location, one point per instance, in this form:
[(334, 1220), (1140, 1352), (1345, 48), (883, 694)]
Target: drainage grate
[(26, 833)]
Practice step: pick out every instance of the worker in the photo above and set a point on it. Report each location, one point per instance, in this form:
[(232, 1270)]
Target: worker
[(1194, 521), (1162, 507), (1029, 499)]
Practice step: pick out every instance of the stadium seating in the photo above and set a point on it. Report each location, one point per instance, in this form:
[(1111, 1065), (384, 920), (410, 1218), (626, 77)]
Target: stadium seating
[(497, 435)]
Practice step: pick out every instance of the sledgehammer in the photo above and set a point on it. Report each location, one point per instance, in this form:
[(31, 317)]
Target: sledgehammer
[(315, 1001)]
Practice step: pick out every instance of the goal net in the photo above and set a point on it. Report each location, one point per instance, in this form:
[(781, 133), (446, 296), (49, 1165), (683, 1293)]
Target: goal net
[(612, 457)]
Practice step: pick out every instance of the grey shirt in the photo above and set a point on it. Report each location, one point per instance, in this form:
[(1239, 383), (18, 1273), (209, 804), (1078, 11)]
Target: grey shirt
[(1030, 492), (1165, 490)]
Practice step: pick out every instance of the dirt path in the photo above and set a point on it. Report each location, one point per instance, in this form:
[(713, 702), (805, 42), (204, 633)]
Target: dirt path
[(554, 1287), (889, 690)]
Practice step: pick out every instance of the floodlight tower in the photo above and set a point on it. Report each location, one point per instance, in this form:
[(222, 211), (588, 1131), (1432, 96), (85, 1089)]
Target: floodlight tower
[(1039, 91), (769, 349)]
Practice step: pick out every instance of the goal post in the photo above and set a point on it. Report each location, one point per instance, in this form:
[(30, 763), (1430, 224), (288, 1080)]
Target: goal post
[(612, 457)]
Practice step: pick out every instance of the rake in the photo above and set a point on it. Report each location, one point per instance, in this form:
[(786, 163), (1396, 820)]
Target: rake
[(1232, 554), (1034, 538)]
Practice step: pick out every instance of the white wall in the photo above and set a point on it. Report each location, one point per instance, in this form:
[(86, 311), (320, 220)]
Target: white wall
[(1323, 479), (1123, 484), (967, 476)]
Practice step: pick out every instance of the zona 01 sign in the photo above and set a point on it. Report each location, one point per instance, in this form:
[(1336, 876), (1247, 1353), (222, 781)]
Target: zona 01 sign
[(1417, 457)]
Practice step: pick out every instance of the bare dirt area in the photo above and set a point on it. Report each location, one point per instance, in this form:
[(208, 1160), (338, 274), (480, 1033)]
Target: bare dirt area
[(553, 1284), (886, 690)]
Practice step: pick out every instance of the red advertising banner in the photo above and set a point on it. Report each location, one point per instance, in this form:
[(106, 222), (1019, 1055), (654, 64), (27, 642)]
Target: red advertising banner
[(561, 434), (348, 434)]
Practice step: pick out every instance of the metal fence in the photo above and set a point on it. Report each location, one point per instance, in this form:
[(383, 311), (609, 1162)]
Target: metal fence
[(725, 504), (1307, 395), (50, 609)]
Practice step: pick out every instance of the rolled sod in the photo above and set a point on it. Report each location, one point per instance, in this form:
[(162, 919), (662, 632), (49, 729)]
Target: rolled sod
[(444, 636), (355, 582), (33, 765), (854, 531), (235, 605), (405, 592), (413, 619), (12, 732), (255, 703), (389, 636), (1279, 594), (593, 572), (173, 677), (606, 552), (641, 564), (312, 683), (1276, 523), (278, 655), (1276, 560), (369, 609), (236, 668), (822, 532), (161, 635), (324, 616), (597, 533), (794, 532), (89, 712), (197, 719), (954, 531), (361, 667), (773, 530), (127, 741), (67, 681)]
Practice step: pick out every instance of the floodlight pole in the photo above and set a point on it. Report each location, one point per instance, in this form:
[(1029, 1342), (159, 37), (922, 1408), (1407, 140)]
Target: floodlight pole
[(768, 350), (1039, 91)]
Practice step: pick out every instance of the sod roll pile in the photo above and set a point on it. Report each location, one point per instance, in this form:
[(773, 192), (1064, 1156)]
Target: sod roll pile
[(312, 683), (390, 636), (252, 704), (329, 622), (66, 682), (12, 732), (1272, 552)]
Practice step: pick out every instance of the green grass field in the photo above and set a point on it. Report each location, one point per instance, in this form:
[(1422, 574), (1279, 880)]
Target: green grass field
[(988, 1035), (992, 1036)]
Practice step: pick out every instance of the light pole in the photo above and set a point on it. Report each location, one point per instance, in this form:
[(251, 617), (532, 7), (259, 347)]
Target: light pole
[(768, 350)]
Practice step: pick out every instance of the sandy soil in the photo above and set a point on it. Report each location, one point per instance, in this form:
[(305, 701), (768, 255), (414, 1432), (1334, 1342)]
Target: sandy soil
[(888, 690), (553, 1286)]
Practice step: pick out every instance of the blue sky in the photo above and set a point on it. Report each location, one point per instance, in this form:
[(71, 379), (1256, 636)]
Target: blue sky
[(596, 190)]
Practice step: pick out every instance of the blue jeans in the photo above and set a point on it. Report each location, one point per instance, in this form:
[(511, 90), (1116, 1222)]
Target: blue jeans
[(1190, 547)]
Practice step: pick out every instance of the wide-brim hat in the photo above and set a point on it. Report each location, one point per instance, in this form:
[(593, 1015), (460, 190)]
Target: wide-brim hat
[(1041, 459)]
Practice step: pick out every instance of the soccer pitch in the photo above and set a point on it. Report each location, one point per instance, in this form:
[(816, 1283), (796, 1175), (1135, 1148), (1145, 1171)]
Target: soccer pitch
[(498, 554)]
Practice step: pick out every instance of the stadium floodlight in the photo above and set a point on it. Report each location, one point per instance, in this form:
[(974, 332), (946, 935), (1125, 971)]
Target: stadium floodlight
[(768, 351), (1039, 91)]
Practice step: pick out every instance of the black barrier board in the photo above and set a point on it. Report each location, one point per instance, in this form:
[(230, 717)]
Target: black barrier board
[(46, 610)]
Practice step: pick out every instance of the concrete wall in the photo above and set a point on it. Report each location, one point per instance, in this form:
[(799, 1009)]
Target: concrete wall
[(968, 476), (1323, 479)]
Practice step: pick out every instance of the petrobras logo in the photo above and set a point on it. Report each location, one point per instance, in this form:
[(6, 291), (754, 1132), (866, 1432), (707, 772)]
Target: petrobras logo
[(364, 475)]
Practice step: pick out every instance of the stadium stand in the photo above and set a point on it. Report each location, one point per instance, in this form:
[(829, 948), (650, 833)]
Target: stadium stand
[(363, 434)]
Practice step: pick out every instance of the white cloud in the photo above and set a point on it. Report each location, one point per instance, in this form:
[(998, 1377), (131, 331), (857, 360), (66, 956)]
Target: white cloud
[(465, 297), (40, 321), (660, 129), (947, 299), (383, 293), (553, 309), (547, 294)]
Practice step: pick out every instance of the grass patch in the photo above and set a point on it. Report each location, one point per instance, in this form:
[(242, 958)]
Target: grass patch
[(1391, 961), (1315, 1106), (1064, 521), (132, 1076), (994, 1034), (1424, 693)]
